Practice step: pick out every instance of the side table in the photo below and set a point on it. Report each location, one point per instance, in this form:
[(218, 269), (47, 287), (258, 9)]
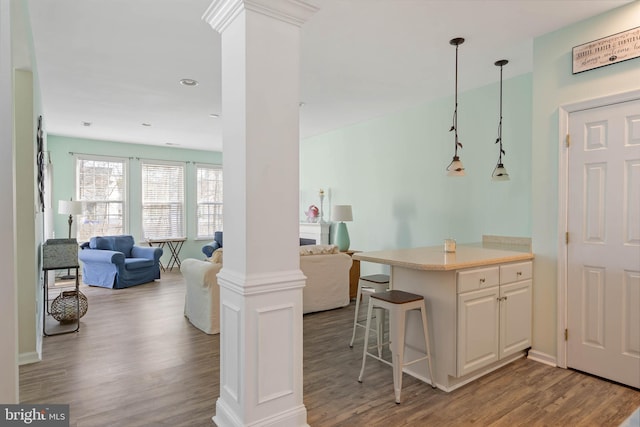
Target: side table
[(354, 274), (174, 245)]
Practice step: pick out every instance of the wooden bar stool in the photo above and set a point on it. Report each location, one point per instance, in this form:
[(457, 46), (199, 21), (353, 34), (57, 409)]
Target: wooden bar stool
[(373, 283), (398, 303)]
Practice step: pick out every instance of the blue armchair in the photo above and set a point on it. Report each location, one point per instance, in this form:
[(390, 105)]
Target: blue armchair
[(116, 262), (210, 248)]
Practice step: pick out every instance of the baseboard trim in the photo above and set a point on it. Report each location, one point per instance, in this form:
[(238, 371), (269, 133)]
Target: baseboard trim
[(28, 358), (538, 356), (225, 417)]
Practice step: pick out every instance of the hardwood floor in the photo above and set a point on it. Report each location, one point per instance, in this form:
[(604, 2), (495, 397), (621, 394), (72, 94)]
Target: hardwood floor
[(138, 362)]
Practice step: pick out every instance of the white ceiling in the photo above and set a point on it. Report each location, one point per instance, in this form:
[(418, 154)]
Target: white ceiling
[(117, 63)]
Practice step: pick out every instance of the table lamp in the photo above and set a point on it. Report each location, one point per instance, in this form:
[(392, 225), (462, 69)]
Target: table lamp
[(342, 213), (71, 208)]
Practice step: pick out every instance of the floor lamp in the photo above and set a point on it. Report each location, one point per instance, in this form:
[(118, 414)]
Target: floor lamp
[(71, 208)]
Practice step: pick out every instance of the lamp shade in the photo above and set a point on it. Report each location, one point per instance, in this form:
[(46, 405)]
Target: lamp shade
[(342, 213), (455, 168), (69, 207), (500, 173)]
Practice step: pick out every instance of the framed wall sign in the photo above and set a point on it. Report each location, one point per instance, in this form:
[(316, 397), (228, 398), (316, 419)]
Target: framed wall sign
[(607, 50)]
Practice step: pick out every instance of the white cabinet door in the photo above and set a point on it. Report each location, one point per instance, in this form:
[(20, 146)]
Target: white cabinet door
[(478, 321), (515, 317)]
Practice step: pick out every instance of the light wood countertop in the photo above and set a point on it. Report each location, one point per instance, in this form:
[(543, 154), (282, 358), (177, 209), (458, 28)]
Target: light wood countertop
[(435, 258)]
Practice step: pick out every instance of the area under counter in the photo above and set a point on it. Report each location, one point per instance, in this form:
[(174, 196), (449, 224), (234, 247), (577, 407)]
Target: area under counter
[(474, 329)]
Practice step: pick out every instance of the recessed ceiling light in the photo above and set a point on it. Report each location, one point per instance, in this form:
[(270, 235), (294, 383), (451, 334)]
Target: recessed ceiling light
[(146, 124), (87, 124), (189, 82), (214, 115)]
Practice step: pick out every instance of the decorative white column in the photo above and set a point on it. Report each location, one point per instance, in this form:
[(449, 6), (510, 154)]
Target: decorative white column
[(261, 282)]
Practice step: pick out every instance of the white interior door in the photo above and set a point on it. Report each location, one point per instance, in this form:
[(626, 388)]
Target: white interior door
[(603, 259)]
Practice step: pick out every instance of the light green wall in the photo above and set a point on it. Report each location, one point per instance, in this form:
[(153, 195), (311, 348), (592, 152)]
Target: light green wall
[(392, 171), (554, 86), (26, 246), (64, 180)]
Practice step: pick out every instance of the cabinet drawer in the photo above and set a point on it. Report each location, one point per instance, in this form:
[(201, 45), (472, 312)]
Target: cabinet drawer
[(478, 278), (516, 272)]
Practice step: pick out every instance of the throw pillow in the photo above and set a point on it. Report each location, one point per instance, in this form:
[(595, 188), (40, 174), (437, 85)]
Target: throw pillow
[(216, 257), (318, 250)]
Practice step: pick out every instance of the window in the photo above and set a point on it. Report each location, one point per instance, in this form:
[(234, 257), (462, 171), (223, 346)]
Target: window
[(162, 200), (100, 183), (209, 197)]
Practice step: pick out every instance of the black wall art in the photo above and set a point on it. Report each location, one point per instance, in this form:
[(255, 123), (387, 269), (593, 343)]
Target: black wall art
[(40, 163)]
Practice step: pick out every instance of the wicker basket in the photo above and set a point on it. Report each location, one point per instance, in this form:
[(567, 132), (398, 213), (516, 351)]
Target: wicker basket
[(64, 308)]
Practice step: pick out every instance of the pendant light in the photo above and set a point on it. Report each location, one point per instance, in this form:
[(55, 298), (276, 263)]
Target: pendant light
[(455, 168), (499, 172)]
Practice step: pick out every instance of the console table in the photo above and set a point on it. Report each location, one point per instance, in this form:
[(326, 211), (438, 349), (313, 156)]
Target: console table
[(174, 245), (60, 254)]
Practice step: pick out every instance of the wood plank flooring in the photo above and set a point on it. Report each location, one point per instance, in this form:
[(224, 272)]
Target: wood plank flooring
[(138, 362)]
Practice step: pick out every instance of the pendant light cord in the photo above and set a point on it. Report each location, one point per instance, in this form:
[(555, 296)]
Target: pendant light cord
[(454, 126), (501, 63), (500, 122)]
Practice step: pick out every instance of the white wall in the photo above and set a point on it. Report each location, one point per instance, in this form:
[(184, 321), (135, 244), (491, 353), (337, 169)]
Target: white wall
[(8, 290), (554, 86)]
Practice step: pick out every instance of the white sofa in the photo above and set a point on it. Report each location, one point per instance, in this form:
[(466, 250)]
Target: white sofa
[(327, 285)]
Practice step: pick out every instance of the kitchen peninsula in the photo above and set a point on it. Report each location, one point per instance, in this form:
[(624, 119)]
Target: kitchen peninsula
[(478, 305)]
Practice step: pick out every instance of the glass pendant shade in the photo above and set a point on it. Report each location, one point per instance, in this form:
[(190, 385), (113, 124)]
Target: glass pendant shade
[(455, 168), (500, 173)]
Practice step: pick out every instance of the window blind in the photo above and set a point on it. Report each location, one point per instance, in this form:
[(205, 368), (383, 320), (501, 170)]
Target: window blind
[(209, 196), (162, 200), (100, 185)]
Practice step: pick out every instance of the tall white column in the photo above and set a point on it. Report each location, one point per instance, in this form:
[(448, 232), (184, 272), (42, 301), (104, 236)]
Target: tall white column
[(261, 282)]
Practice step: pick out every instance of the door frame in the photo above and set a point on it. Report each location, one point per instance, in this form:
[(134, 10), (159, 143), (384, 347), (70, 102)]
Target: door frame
[(563, 197)]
